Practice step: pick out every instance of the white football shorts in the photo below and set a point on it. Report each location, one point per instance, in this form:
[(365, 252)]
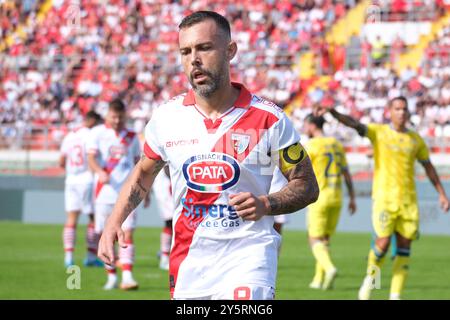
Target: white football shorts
[(161, 193), (79, 197), (104, 210)]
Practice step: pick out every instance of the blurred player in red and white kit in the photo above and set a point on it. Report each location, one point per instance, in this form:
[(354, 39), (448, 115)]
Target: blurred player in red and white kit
[(78, 197), (162, 193), (222, 144), (112, 152)]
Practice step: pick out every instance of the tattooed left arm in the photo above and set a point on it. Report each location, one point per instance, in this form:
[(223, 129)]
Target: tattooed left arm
[(300, 191)]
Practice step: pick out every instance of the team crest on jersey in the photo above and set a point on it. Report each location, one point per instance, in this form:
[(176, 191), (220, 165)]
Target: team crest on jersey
[(212, 172), (117, 151), (240, 142)]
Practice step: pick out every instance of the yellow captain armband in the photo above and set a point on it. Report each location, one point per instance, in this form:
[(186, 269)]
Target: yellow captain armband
[(291, 156)]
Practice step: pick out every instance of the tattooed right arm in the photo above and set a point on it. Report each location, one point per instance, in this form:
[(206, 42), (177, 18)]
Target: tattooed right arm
[(136, 188), (300, 191), (349, 122)]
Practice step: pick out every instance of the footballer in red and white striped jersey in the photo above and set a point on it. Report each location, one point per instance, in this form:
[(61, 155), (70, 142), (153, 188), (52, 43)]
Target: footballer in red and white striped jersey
[(78, 196), (221, 144), (73, 148), (113, 151), (208, 162), (162, 192), (117, 153)]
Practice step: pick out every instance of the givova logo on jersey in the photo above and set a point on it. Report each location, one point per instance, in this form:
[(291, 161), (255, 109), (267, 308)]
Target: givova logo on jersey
[(211, 172)]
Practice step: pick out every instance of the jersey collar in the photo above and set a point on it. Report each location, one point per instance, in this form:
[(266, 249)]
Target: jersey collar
[(393, 129), (110, 127), (242, 101)]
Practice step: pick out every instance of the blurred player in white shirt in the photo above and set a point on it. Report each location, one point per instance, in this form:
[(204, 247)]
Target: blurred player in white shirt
[(162, 192), (78, 195), (112, 152)]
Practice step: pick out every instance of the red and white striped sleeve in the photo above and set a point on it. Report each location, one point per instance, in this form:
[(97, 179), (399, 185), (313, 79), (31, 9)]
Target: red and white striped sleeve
[(152, 147)]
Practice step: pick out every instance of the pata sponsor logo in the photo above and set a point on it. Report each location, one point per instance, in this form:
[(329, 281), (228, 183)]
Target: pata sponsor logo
[(211, 172)]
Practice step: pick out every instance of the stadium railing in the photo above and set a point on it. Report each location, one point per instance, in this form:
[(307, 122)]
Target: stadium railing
[(417, 13), (35, 137), (49, 138)]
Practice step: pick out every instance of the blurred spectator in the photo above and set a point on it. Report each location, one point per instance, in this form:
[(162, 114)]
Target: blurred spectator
[(65, 67), (87, 52), (396, 49), (378, 51)]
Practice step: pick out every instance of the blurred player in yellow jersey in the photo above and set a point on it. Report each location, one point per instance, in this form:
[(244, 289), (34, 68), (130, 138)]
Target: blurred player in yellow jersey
[(329, 163), (395, 209)]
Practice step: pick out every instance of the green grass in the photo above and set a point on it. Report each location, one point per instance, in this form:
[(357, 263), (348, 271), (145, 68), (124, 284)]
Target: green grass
[(31, 267)]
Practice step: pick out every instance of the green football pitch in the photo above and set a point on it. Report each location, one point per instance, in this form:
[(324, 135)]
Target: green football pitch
[(31, 267)]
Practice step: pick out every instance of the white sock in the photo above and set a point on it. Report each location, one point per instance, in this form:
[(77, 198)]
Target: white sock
[(127, 276), (112, 277), (68, 257), (126, 255)]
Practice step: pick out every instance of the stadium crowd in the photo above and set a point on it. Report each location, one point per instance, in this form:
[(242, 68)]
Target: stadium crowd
[(79, 60), (85, 53), (364, 93)]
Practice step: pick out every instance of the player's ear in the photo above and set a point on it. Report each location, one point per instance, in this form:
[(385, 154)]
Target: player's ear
[(231, 51)]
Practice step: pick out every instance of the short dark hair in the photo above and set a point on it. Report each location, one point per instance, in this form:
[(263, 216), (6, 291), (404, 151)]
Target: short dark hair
[(93, 115), (401, 98), (117, 105), (318, 121), (200, 16)]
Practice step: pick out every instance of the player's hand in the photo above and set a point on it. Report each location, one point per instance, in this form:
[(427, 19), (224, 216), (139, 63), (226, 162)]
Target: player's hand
[(103, 177), (352, 206), (248, 206), (443, 200), (106, 243), (319, 110)]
